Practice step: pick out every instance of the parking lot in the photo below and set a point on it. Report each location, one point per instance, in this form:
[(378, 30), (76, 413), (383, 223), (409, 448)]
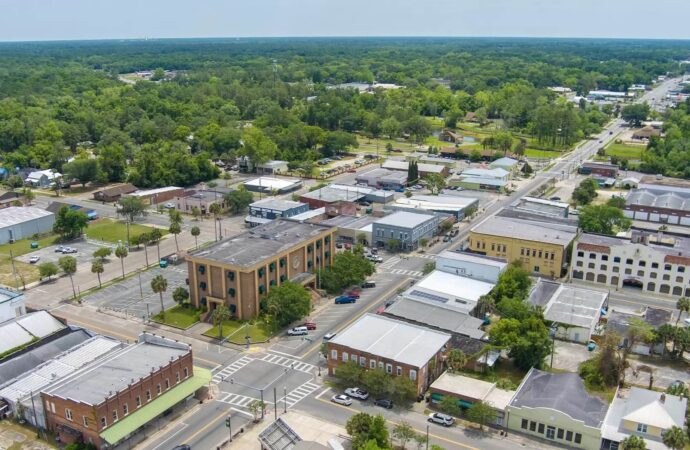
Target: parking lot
[(84, 254), (134, 295)]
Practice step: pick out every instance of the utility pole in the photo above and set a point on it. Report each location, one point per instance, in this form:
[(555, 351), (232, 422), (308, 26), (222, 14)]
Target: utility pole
[(14, 270), (285, 399), (275, 404), (228, 423)]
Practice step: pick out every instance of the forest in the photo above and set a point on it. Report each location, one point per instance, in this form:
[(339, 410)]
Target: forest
[(275, 98)]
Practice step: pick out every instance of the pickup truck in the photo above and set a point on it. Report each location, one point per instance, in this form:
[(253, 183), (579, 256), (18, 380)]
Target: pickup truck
[(345, 299)]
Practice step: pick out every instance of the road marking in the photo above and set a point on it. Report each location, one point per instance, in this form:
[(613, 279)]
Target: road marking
[(289, 362), (298, 394), (435, 436), (323, 392), (237, 399), (284, 354), (244, 413), (212, 423), (184, 425), (413, 273), (231, 369)]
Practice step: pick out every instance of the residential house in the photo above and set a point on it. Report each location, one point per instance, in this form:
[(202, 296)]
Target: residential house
[(42, 178), (450, 136), (113, 193), (619, 322)]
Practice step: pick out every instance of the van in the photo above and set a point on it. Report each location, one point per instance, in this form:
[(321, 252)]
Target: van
[(298, 331)]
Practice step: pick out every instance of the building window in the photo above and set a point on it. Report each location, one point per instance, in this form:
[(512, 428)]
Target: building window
[(413, 375), (231, 276), (652, 275), (372, 364), (553, 256), (603, 267), (362, 361), (640, 273), (578, 438), (679, 279), (616, 259), (592, 256), (125, 409), (345, 357), (231, 292), (104, 422), (202, 269), (629, 261), (655, 265), (681, 269), (591, 266), (186, 372), (580, 254), (616, 269), (158, 389), (177, 377), (524, 423), (148, 395), (666, 277), (569, 436), (138, 401), (68, 414), (86, 421), (560, 433), (541, 428), (532, 425), (493, 247), (667, 267), (642, 263), (628, 271), (114, 415), (536, 269), (641, 428), (550, 432), (578, 263), (398, 371), (522, 251), (381, 365), (604, 257), (202, 285), (389, 368)]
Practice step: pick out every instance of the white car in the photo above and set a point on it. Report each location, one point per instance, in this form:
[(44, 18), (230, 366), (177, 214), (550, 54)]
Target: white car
[(34, 259), (356, 392), (298, 331), (169, 205), (441, 419), (374, 258), (341, 400)]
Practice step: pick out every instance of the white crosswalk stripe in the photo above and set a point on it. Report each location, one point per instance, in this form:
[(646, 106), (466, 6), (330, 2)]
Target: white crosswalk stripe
[(224, 373), (425, 256), (288, 362), (299, 393), (413, 273), (237, 399), (390, 262)]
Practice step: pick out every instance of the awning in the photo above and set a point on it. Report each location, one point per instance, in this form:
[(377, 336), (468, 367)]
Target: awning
[(144, 415)]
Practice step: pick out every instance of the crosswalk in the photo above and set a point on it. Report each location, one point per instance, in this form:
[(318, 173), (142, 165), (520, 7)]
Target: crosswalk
[(412, 273), (288, 362), (390, 262), (238, 400), (232, 368), (299, 393), (425, 256)]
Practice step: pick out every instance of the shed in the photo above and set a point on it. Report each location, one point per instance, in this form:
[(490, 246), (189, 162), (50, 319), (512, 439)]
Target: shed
[(18, 222)]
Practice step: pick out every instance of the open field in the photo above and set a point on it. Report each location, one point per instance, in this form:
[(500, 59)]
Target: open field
[(179, 317), (625, 151), (112, 231), (238, 330), (23, 246)]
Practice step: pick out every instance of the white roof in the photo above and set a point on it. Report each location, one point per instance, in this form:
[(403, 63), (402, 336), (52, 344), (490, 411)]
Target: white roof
[(396, 164), (12, 336), (36, 175), (498, 172), (308, 214), (148, 192), (272, 183), (453, 291), (405, 219), (437, 201), (15, 215), (392, 339), (473, 388), (477, 259), (543, 201), (653, 414), (575, 306), (505, 161), (22, 330)]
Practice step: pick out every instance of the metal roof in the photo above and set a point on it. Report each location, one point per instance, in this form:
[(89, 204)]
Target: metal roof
[(575, 306), (149, 192), (483, 180), (436, 316), (453, 291), (24, 329), (405, 219), (498, 173), (659, 199), (15, 215), (276, 204), (564, 392), (279, 436), (528, 230), (392, 339), (273, 183)]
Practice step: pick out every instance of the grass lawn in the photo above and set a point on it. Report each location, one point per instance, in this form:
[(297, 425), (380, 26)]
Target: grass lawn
[(23, 246), (237, 331), (625, 151), (542, 154), (503, 370), (112, 231), (27, 272), (179, 317)]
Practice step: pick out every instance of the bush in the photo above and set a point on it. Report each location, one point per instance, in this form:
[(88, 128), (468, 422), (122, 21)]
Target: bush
[(589, 372)]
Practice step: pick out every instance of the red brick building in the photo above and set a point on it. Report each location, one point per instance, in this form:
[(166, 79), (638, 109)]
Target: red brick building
[(399, 348)]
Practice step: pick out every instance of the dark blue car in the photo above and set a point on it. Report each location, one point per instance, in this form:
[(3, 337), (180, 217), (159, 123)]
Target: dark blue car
[(345, 299)]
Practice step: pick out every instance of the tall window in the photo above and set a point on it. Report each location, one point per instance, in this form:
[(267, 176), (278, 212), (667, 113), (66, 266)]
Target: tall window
[(148, 395), (158, 389), (104, 422), (186, 372), (138, 401), (125, 409), (68, 414), (114, 415), (86, 421)]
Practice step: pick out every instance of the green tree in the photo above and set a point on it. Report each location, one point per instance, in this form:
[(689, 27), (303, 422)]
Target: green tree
[(180, 295), (456, 360), (349, 373), (196, 231), (675, 438), (616, 201), (435, 183), (130, 208), (216, 210), (144, 239), (155, 237), (28, 196), (481, 413), (363, 427), (404, 433), (175, 229), (679, 390), (528, 340), (603, 219), (121, 252), (586, 191), (97, 268), (682, 305), (403, 389), (635, 113), (256, 408), (159, 285), (449, 405), (219, 315), (420, 441), (257, 146), (377, 381), (102, 253), (68, 264), (348, 268), (238, 200), (69, 223), (47, 270), (83, 170), (633, 442), (288, 302), (429, 267), (196, 212)]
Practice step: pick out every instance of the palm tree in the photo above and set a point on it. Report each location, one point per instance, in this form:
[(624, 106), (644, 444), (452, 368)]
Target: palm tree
[(683, 304), (633, 443), (155, 238), (675, 438), (196, 232), (218, 316), (456, 360), (485, 305), (175, 229), (68, 264), (97, 268), (121, 252), (144, 239), (159, 285), (215, 210)]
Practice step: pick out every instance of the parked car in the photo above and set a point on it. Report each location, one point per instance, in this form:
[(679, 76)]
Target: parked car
[(66, 250), (356, 392), (441, 419), (343, 299), (182, 447), (328, 336), (375, 258), (169, 205), (368, 284), (446, 238), (309, 325), (34, 259), (298, 331), (59, 248), (555, 199), (341, 400), (384, 403)]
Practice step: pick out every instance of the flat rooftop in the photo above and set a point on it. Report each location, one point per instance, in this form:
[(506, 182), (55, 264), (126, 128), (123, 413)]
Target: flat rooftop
[(270, 183), (102, 380), (474, 258), (395, 164), (437, 202), (527, 230), (24, 329), (15, 215), (260, 243), (677, 245), (485, 173), (466, 386), (309, 214), (575, 306), (483, 180), (276, 204), (437, 316), (149, 192), (659, 199), (454, 291), (332, 194), (405, 219), (350, 222), (392, 339)]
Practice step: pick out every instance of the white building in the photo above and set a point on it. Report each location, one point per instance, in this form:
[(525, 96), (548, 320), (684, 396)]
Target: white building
[(11, 304), (17, 222), (470, 265), (42, 178), (650, 262)]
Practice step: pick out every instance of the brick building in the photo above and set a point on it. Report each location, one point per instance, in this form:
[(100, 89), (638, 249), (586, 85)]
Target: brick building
[(106, 402), (399, 348), (241, 270)]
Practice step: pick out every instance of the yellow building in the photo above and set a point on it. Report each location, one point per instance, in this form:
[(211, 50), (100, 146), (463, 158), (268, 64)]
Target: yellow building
[(240, 271), (541, 246)]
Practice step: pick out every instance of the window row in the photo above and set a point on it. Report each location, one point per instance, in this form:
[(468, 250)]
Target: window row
[(630, 261), (551, 432), (536, 253), (372, 364)]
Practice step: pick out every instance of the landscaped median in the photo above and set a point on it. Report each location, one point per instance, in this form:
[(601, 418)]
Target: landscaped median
[(235, 332), (182, 317)]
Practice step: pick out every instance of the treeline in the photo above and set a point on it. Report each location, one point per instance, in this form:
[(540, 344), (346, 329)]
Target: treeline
[(670, 155)]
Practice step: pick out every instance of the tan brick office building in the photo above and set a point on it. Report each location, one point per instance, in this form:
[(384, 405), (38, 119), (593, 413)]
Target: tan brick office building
[(239, 271)]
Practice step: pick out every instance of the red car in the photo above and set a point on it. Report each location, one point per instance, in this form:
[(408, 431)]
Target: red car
[(309, 325), (352, 170), (354, 294)]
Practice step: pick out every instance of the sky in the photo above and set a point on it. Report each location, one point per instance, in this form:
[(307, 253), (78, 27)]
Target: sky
[(32, 20)]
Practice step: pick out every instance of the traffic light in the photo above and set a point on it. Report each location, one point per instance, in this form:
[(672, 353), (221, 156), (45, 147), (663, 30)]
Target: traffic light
[(227, 422)]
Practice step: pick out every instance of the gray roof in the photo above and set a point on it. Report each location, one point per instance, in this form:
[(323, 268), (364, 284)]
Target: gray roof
[(260, 243), (659, 199), (484, 181), (405, 219), (542, 292), (276, 204), (384, 175), (350, 222), (532, 216), (24, 329), (205, 195), (572, 305), (436, 316), (279, 436), (392, 339), (15, 215), (528, 230), (619, 321), (332, 194), (102, 380), (678, 245), (564, 392)]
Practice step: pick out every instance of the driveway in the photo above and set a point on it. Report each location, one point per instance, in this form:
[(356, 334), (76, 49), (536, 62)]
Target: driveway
[(84, 254), (569, 355)]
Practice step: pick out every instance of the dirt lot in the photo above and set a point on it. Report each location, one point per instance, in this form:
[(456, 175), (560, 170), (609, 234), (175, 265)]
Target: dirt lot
[(16, 437)]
